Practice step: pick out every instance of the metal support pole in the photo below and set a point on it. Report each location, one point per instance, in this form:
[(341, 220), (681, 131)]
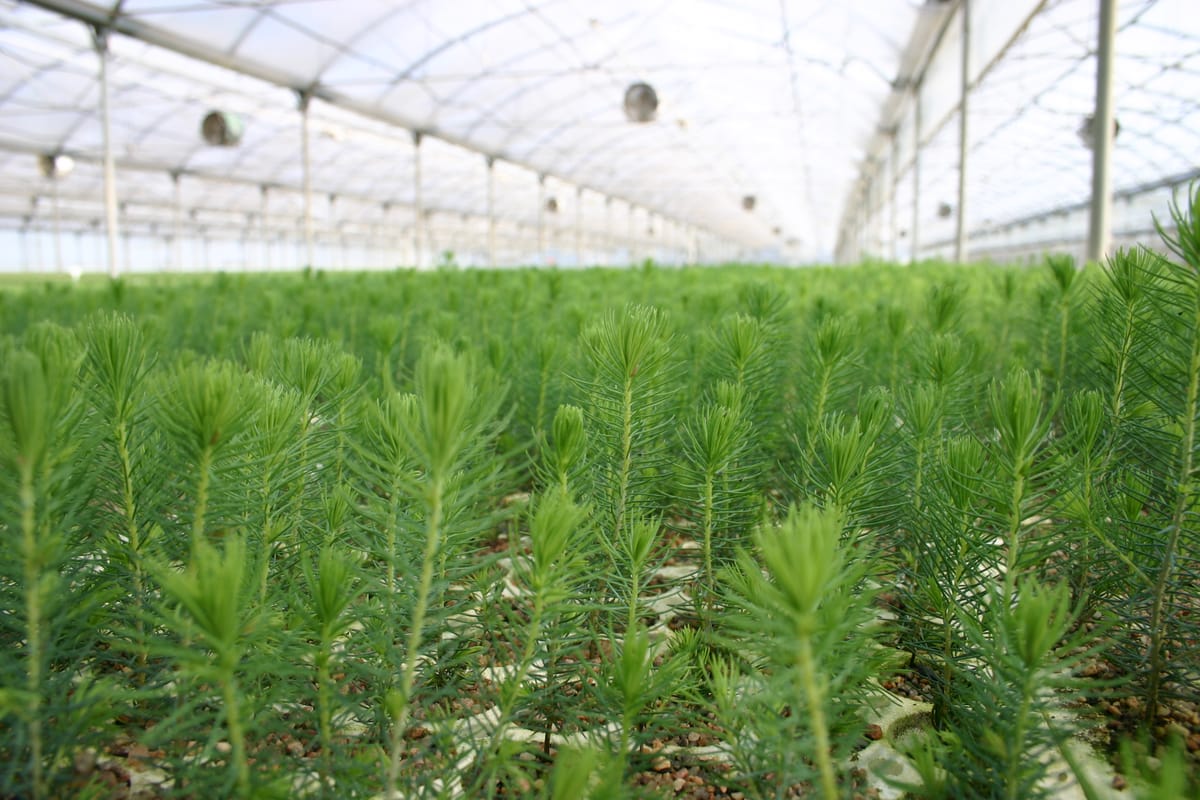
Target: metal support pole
[(26, 263), (100, 39), (58, 256), (306, 166), (1100, 222), (245, 254), (914, 237), (177, 223), (332, 226), (632, 255), (491, 211), (126, 237), (386, 240), (265, 229), (579, 226), (608, 229), (960, 245), (893, 180), (541, 220), (418, 205)]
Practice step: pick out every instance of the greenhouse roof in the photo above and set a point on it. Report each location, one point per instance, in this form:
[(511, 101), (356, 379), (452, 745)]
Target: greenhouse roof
[(778, 121)]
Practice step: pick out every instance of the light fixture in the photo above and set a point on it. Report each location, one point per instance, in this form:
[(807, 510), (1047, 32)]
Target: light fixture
[(641, 102), (1087, 131), (222, 129), (55, 165)]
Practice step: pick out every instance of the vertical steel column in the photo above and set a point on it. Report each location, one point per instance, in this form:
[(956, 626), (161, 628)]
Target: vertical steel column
[(177, 223), (632, 234), (491, 211), (58, 256), (100, 39), (385, 239), (960, 242), (306, 167), (1100, 222), (24, 236), (331, 225), (893, 180), (245, 258), (126, 252), (264, 229), (541, 221), (608, 229), (579, 226), (418, 204), (915, 235)]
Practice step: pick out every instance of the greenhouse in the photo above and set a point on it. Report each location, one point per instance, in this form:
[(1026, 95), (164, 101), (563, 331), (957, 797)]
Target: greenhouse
[(584, 400), (372, 134)]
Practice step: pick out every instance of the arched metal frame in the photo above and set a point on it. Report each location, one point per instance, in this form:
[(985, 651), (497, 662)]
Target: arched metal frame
[(774, 99)]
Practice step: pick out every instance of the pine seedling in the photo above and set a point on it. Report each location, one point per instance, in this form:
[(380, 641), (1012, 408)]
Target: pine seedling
[(277, 432), (326, 379), (850, 468), (953, 570), (1092, 535), (201, 409), (628, 418), (1176, 326), (832, 354), (1066, 282), (631, 683), (719, 482), (550, 576), (631, 554), (212, 614), (117, 367), (332, 589), (1162, 777), (896, 322), (923, 423), (46, 595), (747, 357), (547, 356), (944, 307), (563, 457), (807, 616), (1124, 299), (387, 467), (1022, 425), (585, 774), (1010, 711), (446, 426)]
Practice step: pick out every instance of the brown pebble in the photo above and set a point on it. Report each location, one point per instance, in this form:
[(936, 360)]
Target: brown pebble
[(85, 761), (874, 732), (660, 764), (678, 784), (1118, 782)]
